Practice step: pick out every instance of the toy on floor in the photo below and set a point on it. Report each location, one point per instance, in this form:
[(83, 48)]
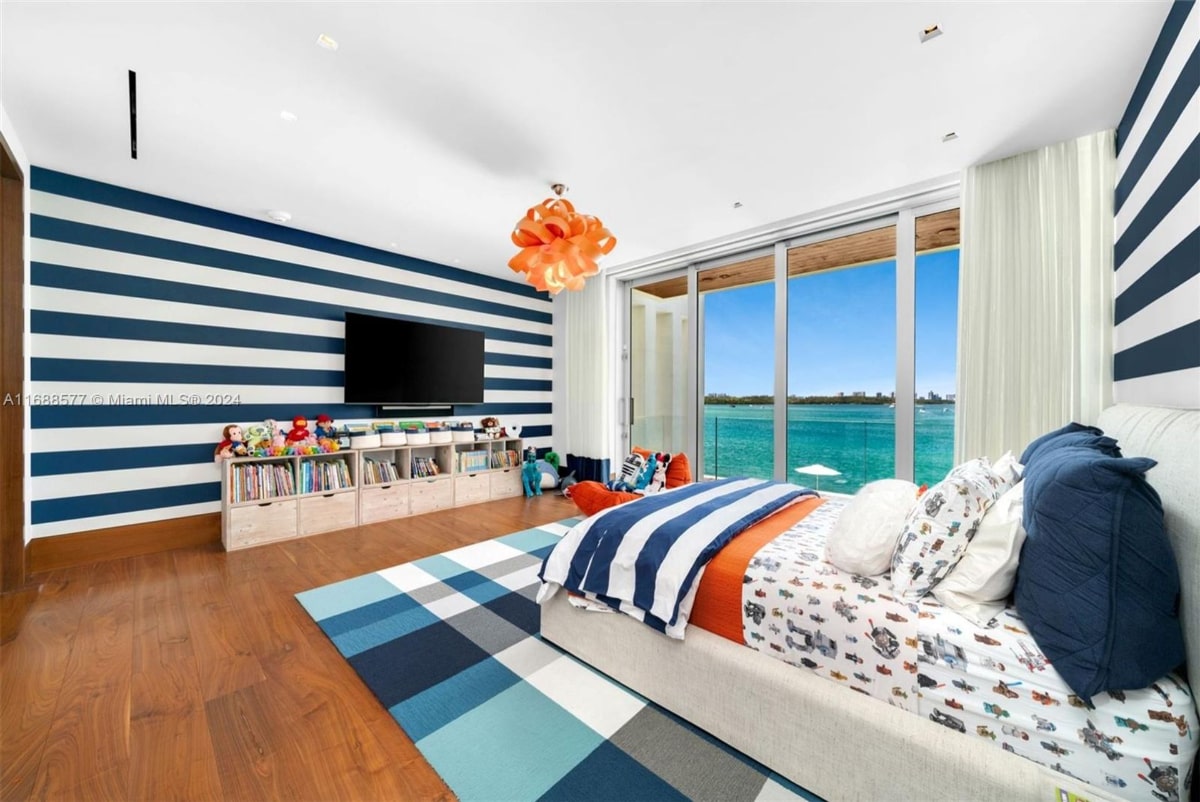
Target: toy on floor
[(531, 474)]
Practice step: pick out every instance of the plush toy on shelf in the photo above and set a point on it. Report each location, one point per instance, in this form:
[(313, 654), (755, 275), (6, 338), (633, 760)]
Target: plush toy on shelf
[(299, 432), (491, 426), (231, 444), (325, 428), (531, 474)]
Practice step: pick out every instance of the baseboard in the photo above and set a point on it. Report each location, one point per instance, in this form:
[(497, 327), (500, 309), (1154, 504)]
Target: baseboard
[(98, 545)]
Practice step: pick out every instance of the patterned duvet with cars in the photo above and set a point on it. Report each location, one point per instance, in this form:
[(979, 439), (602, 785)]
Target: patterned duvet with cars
[(994, 683)]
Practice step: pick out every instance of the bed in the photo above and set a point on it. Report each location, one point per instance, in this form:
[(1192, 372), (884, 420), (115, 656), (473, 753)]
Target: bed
[(870, 736)]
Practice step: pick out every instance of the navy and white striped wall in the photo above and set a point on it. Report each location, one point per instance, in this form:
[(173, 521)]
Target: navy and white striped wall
[(136, 296), (1157, 231)]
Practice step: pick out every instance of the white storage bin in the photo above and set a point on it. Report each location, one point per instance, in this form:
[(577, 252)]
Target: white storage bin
[(418, 439), (440, 437), (364, 440), (467, 436), (393, 439)]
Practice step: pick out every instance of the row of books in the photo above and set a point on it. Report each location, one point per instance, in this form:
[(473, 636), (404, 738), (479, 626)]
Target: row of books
[(324, 475), (506, 459), (380, 472), (424, 466), (468, 461), (251, 482)]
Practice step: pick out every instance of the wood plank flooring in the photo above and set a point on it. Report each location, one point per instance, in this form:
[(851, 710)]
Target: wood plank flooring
[(196, 675)]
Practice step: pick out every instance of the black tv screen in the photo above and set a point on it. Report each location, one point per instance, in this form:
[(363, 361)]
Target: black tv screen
[(401, 362)]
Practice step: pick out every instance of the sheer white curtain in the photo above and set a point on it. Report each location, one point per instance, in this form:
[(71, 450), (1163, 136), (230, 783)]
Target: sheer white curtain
[(584, 424), (1035, 294)]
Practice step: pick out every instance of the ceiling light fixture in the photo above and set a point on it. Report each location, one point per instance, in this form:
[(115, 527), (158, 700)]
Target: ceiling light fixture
[(950, 137), (326, 41), (287, 116), (930, 32), (279, 216), (559, 247), (737, 204)]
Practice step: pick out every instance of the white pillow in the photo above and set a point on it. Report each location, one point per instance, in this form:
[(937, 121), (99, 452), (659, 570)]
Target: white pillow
[(864, 537), (1008, 469), (980, 584)]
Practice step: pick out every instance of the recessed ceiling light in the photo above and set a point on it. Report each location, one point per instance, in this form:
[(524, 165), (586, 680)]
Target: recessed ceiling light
[(326, 41), (279, 216), (287, 116), (930, 32), (950, 137), (393, 245), (458, 261), (737, 204)]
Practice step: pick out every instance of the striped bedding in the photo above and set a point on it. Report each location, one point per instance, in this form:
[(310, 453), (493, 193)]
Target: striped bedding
[(644, 558)]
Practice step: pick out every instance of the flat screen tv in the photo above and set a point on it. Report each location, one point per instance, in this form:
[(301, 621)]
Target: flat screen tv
[(392, 362)]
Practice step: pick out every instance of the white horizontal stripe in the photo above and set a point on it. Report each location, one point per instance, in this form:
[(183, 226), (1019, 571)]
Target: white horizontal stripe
[(1168, 155), (1168, 312), (1168, 76), (1179, 388), (1170, 231), (151, 225), (68, 485), (122, 519), (99, 259), (55, 299), (59, 346), (182, 394), (102, 437)]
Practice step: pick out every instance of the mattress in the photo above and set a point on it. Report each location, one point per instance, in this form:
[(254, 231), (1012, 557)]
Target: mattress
[(991, 684)]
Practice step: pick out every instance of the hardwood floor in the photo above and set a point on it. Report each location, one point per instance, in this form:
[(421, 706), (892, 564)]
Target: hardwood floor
[(196, 675)]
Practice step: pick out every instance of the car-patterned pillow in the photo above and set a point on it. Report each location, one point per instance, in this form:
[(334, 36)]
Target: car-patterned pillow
[(941, 524)]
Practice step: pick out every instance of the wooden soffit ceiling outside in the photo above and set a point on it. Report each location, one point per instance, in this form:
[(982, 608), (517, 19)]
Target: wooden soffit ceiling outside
[(934, 232)]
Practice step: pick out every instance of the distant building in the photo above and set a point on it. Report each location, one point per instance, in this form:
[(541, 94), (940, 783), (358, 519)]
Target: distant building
[(879, 395), (841, 395), (858, 394), (950, 396), (934, 396)]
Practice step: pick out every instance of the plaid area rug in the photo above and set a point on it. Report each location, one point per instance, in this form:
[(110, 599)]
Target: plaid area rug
[(449, 645)]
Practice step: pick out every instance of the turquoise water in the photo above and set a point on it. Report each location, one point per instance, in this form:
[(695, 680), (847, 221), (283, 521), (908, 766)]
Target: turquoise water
[(858, 441)]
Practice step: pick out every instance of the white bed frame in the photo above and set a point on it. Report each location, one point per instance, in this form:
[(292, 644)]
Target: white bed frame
[(840, 744)]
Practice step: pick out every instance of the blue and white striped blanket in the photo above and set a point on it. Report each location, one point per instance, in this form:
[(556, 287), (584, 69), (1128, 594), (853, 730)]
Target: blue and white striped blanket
[(643, 558)]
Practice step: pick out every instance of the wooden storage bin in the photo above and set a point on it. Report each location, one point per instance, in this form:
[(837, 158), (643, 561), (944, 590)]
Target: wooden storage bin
[(382, 502), (506, 483), (427, 495), (254, 524), (328, 512), (471, 488)]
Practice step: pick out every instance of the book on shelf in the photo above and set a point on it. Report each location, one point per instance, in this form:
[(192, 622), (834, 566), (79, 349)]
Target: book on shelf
[(424, 467), (470, 461), (506, 459), (322, 476), (380, 472), (258, 481)]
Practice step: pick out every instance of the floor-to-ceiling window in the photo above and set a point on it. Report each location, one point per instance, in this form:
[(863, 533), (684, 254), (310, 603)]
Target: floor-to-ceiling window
[(936, 324)]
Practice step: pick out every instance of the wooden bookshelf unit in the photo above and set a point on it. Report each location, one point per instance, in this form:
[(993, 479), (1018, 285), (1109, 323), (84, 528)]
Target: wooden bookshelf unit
[(266, 499)]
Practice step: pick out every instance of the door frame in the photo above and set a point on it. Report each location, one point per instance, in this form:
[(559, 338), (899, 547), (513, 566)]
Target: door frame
[(12, 370)]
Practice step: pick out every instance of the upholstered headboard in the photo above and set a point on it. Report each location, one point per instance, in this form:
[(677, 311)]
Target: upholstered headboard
[(1172, 437)]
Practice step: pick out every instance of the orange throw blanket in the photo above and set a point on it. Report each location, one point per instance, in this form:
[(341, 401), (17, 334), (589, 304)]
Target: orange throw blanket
[(718, 605)]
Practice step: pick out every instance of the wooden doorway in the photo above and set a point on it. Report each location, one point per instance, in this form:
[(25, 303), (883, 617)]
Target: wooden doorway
[(12, 372)]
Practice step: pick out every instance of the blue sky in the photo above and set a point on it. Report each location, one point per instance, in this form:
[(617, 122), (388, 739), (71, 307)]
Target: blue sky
[(841, 332)]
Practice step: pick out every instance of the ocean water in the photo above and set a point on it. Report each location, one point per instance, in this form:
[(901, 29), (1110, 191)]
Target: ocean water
[(856, 440)]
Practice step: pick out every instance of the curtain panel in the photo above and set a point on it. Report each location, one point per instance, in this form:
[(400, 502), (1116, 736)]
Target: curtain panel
[(1035, 294), (584, 426)]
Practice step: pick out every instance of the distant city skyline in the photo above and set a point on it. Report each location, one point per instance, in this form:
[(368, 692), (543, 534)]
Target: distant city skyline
[(841, 332)]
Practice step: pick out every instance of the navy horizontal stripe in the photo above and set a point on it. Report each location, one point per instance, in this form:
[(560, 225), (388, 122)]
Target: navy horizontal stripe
[(532, 385), (55, 463), (1181, 264), (72, 324), (518, 360), (1164, 121), (44, 274), (529, 432), (87, 417), (228, 376), (111, 239), (1175, 350), (49, 510), (85, 189), (1182, 177), (1162, 48)]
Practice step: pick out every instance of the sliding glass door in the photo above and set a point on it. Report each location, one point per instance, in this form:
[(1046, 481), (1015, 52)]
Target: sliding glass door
[(656, 414)]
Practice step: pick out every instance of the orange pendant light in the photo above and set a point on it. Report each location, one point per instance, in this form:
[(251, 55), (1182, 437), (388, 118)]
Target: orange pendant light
[(559, 247)]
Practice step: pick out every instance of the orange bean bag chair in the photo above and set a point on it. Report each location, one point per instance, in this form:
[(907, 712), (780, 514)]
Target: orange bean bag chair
[(591, 497)]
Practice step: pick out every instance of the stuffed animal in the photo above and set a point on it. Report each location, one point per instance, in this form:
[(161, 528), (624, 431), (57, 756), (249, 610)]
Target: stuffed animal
[(491, 426), (658, 482), (631, 472), (325, 428), (258, 437), (231, 444), (299, 432), (531, 474)]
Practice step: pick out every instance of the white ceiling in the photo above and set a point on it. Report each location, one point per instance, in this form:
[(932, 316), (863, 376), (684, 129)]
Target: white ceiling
[(435, 125)]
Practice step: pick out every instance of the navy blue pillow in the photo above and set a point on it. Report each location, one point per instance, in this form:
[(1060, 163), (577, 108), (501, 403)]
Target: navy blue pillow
[(1073, 434), (1097, 583)]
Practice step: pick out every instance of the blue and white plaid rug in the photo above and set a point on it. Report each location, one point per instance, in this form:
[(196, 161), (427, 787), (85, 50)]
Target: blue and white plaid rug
[(449, 645)]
